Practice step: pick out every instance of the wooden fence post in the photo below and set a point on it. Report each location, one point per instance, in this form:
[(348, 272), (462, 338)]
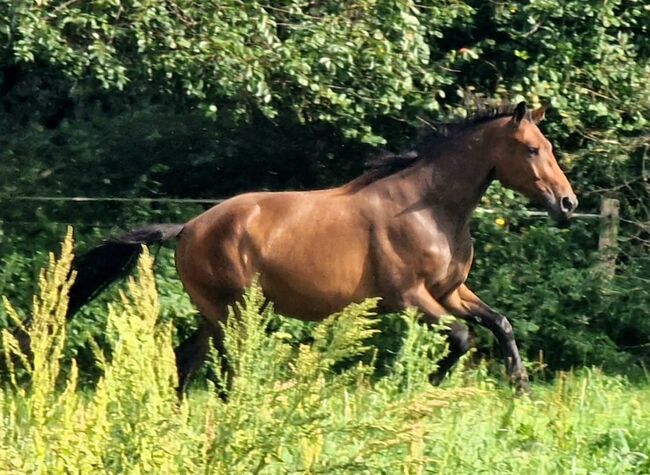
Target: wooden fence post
[(607, 245)]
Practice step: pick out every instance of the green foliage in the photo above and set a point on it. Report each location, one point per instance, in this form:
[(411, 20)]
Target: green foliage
[(290, 412), (557, 297), (332, 62)]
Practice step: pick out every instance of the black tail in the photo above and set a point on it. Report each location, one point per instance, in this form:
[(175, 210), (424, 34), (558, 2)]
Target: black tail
[(113, 260)]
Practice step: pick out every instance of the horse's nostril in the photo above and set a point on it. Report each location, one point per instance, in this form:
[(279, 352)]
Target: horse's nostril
[(567, 204)]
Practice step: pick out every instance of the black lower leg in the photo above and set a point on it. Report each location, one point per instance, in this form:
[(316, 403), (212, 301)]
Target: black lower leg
[(224, 380), (459, 344), (191, 354), (502, 329)]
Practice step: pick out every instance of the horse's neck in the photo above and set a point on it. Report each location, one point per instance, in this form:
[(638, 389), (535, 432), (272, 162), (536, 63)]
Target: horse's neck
[(459, 180), (451, 183)]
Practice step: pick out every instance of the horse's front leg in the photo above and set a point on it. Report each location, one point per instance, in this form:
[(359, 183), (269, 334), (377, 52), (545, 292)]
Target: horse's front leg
[(464, 303), (457, 334)]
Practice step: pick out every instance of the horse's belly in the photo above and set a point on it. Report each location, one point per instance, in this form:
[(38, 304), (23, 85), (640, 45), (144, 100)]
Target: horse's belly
[(305, 307), (311, 256), (314, 291)]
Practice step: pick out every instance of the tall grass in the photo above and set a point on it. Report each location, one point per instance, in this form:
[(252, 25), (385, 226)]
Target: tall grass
[(295, 408)]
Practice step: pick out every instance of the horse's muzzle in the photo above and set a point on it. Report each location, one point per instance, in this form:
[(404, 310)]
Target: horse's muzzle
[(561, 209)]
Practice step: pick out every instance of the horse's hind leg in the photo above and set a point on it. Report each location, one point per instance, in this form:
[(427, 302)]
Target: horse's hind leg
[(191, 354)]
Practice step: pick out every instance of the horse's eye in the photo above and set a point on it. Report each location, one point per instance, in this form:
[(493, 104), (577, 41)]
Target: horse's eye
[(533, 150)]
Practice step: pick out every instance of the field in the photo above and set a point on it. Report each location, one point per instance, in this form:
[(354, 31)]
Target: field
[(297, 408)]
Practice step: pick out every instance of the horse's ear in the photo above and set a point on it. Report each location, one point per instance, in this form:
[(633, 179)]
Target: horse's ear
[(518, 114), (538, 114)]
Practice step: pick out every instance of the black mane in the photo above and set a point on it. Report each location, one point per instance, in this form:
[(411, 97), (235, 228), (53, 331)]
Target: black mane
[(388, 163)]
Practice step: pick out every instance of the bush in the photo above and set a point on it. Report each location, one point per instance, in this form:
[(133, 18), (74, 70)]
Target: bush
[(551, 286), (288, 410)]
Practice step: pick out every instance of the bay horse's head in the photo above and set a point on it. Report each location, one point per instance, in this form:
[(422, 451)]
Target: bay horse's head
[(524, 161)]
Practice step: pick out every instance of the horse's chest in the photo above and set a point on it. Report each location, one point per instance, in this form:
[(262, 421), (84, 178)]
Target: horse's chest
[(422, 252)]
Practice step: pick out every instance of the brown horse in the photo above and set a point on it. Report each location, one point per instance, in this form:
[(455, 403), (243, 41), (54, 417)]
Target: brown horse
[(399, 232)]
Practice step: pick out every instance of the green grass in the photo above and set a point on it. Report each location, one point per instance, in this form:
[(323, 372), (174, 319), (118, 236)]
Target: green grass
[(297, 408)]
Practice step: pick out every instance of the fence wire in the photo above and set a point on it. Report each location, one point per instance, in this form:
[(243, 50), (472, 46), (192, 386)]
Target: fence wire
[(215, 201)]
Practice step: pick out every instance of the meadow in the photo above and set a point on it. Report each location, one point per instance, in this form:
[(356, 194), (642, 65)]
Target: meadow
[(293, 407)]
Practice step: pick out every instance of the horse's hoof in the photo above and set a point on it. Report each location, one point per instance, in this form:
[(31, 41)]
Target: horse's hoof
[(435, 379), (520, 381), (522, 389)]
